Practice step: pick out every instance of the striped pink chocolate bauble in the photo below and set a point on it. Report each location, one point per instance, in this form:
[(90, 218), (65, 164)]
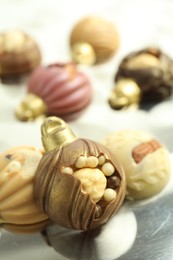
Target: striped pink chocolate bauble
[(66, 91)]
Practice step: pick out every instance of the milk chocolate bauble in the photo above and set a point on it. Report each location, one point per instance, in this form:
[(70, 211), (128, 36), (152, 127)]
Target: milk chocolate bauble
[(19, 53), (78, 184), (93, 40)]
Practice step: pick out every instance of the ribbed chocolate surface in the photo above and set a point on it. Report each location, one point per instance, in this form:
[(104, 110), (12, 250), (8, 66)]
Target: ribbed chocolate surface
[(17, 205), (59, 194), (66, 93)]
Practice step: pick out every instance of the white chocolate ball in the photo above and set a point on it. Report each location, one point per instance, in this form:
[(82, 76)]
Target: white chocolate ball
[(149, 173)]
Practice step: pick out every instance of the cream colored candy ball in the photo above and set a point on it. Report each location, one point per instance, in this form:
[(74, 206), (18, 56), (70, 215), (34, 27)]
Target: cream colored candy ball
[(148, 176), (17, 172), (100, 33)]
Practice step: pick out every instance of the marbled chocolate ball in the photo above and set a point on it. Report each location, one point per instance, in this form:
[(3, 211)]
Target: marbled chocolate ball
[(17, 171), (19, 53), (152, 70), (99, 33), (145, 161), (65, 91)]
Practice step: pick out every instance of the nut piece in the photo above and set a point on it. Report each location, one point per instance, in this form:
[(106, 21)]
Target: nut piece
[(146, 162), (93, 182), (140, 151)]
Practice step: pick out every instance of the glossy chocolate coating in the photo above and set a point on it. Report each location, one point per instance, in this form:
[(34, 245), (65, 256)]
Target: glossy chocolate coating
[(66, 91), (60, 194), (19, 53), (155, 82)]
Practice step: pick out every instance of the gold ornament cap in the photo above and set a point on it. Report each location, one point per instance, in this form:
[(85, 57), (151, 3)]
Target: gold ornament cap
[(125, 94), (83, 53), (30, 108), (56, 133)]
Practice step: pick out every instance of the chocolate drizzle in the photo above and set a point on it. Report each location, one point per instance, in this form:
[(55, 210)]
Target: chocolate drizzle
[(60, 194)]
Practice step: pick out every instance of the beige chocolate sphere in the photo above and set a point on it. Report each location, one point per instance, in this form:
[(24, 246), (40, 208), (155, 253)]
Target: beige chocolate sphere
[(94, 40), (17, 171), (145, 160), (19, 53)]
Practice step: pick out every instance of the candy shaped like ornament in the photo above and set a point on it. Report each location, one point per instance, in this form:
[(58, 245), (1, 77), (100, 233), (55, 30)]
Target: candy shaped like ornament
[(145, 161), (125, 94), (78, 184), (93, 40), (143, 77), (18, 209), (58, 89), (19, 53)]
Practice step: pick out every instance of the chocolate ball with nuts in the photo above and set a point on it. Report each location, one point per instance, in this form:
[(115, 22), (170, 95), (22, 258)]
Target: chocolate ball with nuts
[(152, 70), (143, 77), (145, 160), (79, 184)]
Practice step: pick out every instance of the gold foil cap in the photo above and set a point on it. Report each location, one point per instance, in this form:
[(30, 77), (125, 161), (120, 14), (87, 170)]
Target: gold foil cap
[(30, 108), (56, 133), (125, 94), (83, 53)]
